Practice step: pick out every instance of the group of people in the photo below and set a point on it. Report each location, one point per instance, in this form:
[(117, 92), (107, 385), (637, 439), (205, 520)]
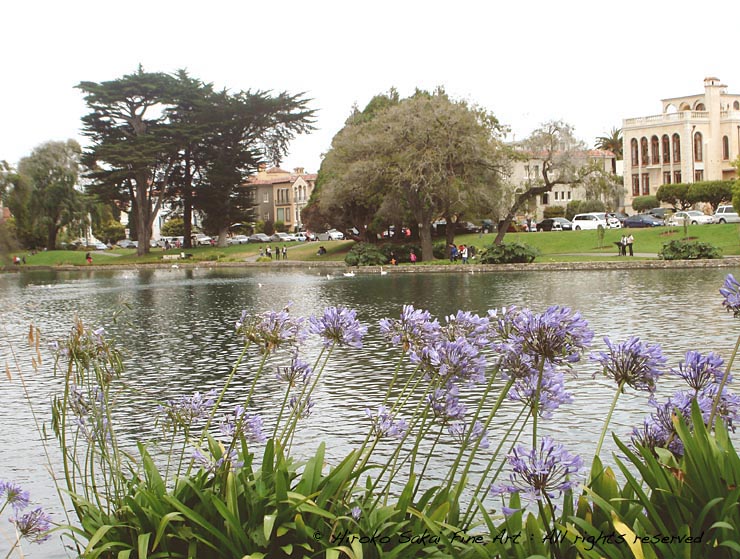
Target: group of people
[(278, 251), (625, 244), (462, 252)]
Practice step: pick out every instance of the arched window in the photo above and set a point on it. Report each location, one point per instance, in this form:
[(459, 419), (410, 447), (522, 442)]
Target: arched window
[(736, 105), (633, 149), (655, 150), (700, 107), (666, 149), (644, 151), (725, 148), (697, 147), (676, 148)]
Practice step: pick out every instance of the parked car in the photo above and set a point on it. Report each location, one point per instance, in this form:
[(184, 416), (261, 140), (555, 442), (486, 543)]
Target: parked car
[(301, 237), (726, 214), (282, 238), (237, 240), (127, 243), (618, 215), (331, 235), (259, 238), (694, 217), (99, 246), (200, 239), (661, 213), (589, 221), (554, 224), (643, 220)]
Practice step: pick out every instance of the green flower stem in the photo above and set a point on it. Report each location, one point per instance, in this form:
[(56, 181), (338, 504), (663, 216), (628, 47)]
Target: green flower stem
[(609, 417), (282, 410), (722, 384), (536, 403)]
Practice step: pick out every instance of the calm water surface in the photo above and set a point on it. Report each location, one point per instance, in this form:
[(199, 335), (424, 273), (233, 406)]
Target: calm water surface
[(176, 330)]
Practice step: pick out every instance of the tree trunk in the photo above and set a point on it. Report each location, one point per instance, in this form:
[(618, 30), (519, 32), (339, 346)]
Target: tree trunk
[(427, 250), (51, 239), (187, 202), (222, 233), (143, 209)]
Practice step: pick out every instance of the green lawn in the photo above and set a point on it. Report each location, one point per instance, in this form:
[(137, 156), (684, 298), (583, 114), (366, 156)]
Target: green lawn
[(554, 246)]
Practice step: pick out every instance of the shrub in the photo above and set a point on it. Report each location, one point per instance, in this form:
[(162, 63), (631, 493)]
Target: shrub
[(365, 254), (644, 203), (553, 211), (439, 250), (174, 227), (401, 252), (685, 250), (508, 253)]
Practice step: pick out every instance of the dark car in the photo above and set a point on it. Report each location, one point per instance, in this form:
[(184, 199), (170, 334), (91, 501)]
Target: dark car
[(642, 220), (618, 215), (554, 224), (661, 213)]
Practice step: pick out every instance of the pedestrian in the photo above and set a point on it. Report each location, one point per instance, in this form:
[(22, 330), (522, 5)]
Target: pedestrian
[(412, 256), (268, 252), (285, 252), (88, 257), (464, 254), (623, 246), (630, 240)]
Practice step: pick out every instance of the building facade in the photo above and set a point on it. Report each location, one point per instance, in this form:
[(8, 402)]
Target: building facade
[(695, 138), (280, 195)]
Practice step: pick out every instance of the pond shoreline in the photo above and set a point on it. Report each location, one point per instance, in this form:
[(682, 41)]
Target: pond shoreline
[(727, 262)]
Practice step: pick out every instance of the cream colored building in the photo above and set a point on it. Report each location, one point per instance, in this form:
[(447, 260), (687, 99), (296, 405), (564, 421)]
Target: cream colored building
[(695, 138), (280, 195)]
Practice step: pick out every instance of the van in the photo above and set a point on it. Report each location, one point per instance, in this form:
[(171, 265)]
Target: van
[(726, 214), (589, 221)]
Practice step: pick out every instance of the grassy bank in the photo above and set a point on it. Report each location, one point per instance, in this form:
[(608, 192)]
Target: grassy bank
[(563, 246)]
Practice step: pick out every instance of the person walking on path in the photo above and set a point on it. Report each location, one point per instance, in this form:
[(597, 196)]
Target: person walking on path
[(285, 252), (630, 239), (412, 257)]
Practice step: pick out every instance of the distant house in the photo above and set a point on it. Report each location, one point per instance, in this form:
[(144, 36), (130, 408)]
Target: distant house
[(695, 138), (280, 195)]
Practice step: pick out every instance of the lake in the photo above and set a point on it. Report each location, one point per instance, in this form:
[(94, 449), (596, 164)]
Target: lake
[(175, 327)]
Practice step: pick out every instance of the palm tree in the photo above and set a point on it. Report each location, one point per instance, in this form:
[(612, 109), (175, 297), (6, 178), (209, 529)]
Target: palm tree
[(612, 142)]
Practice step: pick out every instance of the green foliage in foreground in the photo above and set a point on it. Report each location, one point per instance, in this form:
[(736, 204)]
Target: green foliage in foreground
[(685, 250)]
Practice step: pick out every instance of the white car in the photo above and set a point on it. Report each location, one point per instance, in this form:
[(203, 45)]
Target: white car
[(199, 240), (331, 235), (693, 217), (726, 214), (237, 240), (588, 221)]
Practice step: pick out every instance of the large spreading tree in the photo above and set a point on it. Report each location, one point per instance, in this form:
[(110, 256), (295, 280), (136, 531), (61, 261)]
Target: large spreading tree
[(425, 157)]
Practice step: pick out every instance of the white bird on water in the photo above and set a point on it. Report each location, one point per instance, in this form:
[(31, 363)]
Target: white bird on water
[(349, 274), (383, 272)]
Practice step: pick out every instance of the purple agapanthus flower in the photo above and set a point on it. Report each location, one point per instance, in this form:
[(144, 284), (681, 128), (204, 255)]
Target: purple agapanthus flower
[(632, 363), (467, 325), (557, 335), (272, 330), (699, 371), (467, 435), (541, 473), (728, 407), (34, 525), (240, 423), (550, 394), (13, 495), (356, 512), (445, 404), (182, 412), (517, 365), (456, 361), (230, 460), (731, 293), (301, 407), (415, 328), (297, 371), (338, 325), (385, 425)]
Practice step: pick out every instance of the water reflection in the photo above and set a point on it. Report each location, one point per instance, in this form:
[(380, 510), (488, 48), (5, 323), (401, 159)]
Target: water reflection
[(176, 329)]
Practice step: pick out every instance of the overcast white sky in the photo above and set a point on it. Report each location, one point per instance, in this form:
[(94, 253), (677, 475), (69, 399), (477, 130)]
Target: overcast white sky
[(589, 63)]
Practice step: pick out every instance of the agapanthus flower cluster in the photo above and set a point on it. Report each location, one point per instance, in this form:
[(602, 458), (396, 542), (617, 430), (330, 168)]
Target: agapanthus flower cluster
[(451, 361), (557, 335), (33, 526), (242, 424), (468, 435), (384, 424), (414, 329), (445, 404), (338, 325), (90, 350), (302, 407), (182, 412), (467, 325), (700, 371), (730, 291), (271, 330), (631, 363), (229, 460), (541, 473), (297, 372), (90, 413), (547, 390)]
